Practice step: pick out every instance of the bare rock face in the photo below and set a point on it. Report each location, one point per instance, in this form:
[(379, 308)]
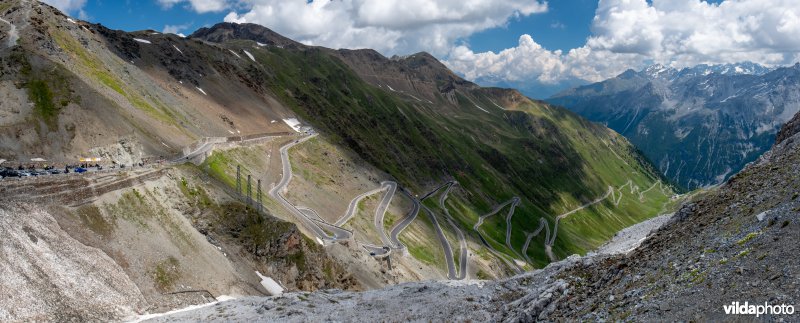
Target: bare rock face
[(126, 151), (47, 275), (789, 129), (279, 248)]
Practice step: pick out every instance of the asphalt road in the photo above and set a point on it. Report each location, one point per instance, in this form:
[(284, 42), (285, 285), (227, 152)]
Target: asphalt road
[(550, 240), (202, 149), (514, 201), (378, 251), (462, 270), (448, 252), (353, 206), (312, 225), (542, 224), (380, 211), (400, 226), (508, 225)]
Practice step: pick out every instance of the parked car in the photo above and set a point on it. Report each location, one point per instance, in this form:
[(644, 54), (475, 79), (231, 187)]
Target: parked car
[(42, 172), (24, 173), (55, 171), (80, 170)]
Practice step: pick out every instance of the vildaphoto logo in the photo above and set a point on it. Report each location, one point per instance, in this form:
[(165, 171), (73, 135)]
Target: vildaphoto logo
[(757, 310)]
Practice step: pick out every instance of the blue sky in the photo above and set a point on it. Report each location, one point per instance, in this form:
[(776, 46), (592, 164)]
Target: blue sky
[(564, 26), (137, 15), (522, 43)]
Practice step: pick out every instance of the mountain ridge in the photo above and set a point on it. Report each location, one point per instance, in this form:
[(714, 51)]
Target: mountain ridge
[(717, 110)]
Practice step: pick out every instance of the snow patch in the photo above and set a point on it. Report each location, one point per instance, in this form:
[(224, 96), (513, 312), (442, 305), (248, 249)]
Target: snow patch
[(141, 318), (13, 35), (495, 104), (178, 49), (234, 53), (260, 44), (482, 109), (761, 216), (270, 285), (415, 98), (143, 41), (390, 88), (293, 123), (249, 55), (201, 90), (71, 20)]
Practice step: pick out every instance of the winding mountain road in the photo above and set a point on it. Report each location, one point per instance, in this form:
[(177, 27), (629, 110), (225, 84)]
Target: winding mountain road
[(380, 211), (404, 223), (448, 251), (508, 225), (514, 201), (309, 223), (312, 220), (353, 206), (528, 237), (462, 270), (616, 197)]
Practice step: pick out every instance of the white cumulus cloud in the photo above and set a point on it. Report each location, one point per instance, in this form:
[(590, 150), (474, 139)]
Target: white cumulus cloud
[(634, 33), (68, 6), (199, 6), (389, 26), (175, 29)]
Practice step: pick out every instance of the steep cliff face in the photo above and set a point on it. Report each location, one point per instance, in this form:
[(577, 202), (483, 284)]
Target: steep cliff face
[(788, 130), (698, 125)]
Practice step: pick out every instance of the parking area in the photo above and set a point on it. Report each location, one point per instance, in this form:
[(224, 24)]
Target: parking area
[(21, 172)]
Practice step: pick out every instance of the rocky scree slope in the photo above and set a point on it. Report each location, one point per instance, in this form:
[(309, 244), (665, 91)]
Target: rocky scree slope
[(699, 125), (738, 243), (112, 246)]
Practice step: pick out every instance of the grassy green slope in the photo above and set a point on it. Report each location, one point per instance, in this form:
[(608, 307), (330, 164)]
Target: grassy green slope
[(551, 158)]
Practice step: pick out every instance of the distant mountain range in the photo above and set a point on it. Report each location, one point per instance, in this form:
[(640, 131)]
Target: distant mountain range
[(698, 125)]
